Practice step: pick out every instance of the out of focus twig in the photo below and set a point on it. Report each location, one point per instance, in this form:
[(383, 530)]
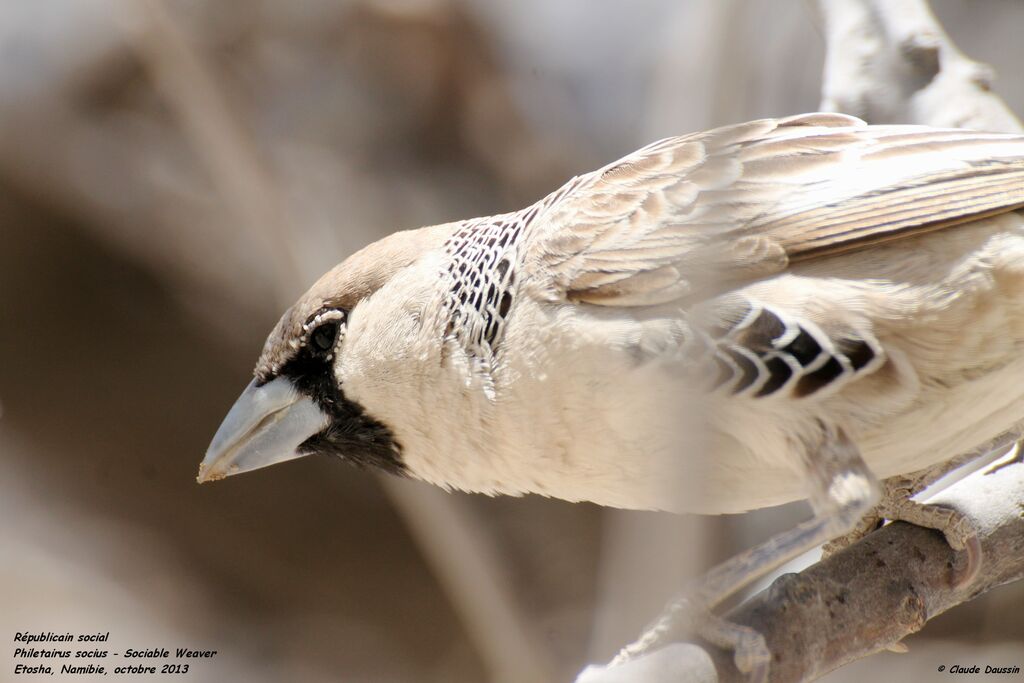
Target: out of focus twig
[(460, 554), (221, 141), (449, 537), (892, 62)]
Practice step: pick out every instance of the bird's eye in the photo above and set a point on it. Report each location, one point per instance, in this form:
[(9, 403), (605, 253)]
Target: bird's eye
[(324, 336)]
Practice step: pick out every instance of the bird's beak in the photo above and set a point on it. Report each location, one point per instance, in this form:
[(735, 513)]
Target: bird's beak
[(265, 426)]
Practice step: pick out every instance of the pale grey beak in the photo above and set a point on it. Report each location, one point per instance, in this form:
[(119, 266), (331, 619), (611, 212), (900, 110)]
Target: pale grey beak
[(264, 427)]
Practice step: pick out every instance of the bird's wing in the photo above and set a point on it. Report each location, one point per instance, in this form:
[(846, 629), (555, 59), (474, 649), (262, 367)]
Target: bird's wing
[(746, 201)]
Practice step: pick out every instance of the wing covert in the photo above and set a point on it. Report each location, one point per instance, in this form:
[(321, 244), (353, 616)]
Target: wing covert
[(743, 202)]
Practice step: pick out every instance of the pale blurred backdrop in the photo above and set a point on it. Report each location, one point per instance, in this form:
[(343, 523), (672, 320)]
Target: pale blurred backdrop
[(173, 174)]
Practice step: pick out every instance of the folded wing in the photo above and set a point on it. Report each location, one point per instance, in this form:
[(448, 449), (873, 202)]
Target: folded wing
[(746, 201)]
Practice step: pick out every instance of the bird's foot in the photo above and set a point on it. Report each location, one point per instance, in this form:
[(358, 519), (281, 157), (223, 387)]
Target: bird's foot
[(688, 617), (750, 651), (957, 528), (865, 526), (844, 490)]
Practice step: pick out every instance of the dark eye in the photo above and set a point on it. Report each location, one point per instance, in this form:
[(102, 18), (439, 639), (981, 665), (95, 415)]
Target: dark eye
[(324, 336)]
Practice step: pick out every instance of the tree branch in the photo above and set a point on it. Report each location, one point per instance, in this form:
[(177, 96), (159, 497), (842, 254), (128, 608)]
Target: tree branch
[(863, 599), (885, 587), (891, 62)]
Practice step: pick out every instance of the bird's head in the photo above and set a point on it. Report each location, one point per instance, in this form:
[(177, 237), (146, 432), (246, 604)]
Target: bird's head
[(357, 314)]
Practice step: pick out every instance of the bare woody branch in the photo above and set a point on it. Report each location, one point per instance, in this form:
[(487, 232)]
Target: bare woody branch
[(864, 599), (891, 62)]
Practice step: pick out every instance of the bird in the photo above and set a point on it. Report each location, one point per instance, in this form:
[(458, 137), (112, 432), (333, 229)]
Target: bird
[(798, 308)]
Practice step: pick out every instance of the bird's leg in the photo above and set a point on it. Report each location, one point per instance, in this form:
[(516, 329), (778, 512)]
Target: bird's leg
[(894, 488), (843, 489)]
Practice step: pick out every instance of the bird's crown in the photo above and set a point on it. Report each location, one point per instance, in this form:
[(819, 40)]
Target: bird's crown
[(341, 289)]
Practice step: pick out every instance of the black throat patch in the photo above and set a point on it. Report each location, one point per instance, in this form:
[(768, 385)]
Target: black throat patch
[(352, 434)]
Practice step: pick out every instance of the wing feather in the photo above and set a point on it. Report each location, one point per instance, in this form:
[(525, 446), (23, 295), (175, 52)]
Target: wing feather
[(746, 201)]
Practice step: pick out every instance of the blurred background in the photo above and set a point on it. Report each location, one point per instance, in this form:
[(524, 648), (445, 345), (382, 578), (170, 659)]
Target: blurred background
[(173, 174)]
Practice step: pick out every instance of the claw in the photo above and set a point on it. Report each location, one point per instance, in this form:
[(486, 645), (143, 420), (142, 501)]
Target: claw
[(751, 655), (759, 674), (969, 572)]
